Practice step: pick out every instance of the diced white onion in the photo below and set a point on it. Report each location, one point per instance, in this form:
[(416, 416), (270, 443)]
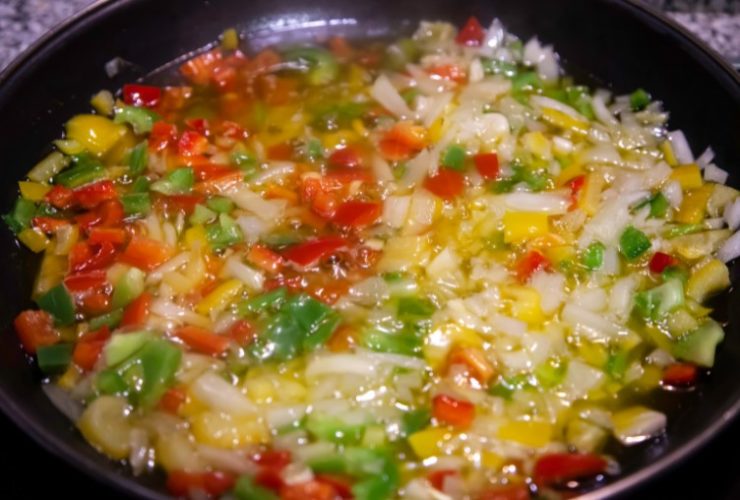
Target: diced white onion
[(673, 193), (549, 203), (155, 276), (233, 461), (267, 210), (705, 158), (217, 393), (275, 170), (681, 148), (551, 287), (395, 210), (713, 173), (730, 249), (252, 227), (637, 424), (386, 94), (475, 72), (381, 169), (541, 101), (62, 401), (732, 215), (601, 111), (247, 275), (590, 324)]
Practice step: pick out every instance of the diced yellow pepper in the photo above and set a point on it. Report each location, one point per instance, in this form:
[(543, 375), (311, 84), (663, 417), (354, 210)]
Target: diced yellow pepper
[(195, 237), (668, 155), (650, 378), (52, 271), (35, 240), (523, 303), (33, 191), (591, 193), (491, 460), (228, 431), (103, 102), (529, 433), (709, 279), (523, 226), (68, 146), (97, 134), (563, 120), (689, 176), (436, 130), (694, 205), (230, 39), (426, 443), (333, 139), (359, 127), (560, 253), (69, 378), (218, 299), (537, 144), (438, 344), (117, 154)]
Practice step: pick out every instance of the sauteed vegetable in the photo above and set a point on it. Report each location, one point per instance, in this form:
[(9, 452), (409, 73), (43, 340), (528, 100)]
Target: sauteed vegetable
[(431, 268)]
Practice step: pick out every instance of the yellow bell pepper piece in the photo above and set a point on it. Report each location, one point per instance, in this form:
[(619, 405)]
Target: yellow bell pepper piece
[(33, 191), (564, 121), (591, 193), (35, 240), (694, 205), (570, 172), (228, 431), (537, 144), (523, 303), (219, 298), (230, 39), (689, 176), (437, 345), (103, 102), (426, 443), (528, 433), (359, 127), (523, 226), (709, 279), (491, 460), (69, 147), (668, 155), (195, 237), (97, 134), (558, 254)]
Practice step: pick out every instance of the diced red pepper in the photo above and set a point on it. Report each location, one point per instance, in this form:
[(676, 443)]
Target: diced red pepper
[(264, 258), (173, 399), (145, 253), (310, 490), (94, 302), (163, 135), (86, 257), (88, 349), (198, 69), (60, 197), (137, 312), (660, 261), (141, 95), (280, 152), (207, 171), (518, 491), (358, 214), (451, 72), (191, 143), (576, 186), (402, 141), (181, 483), (487, 165), (558, 468), (529, 264), (453, 411), (471, 34), (176, 203), (273, 459), (49, 225), (82, 282), (221, 184), (199, 125), (311, 252), (224, 77), (680, 374), (346, 157), (35, 329), (437, 477), (113, 235), (342, 486), (242, 332), (202, 340), (270, 479), (107, 214), (447, 184)]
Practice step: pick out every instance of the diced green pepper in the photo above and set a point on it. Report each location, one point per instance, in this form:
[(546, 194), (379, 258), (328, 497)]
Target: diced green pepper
[(54, 358), (123, 345), (617, 364), (334, 429), (220, 204), (46, 169), (201, 215), (128, 287), (244, 160), (110, 382), (86, 169), (414, 309), (21, 216), (700, 345), (316, 319), (272, 300), (178, 181), (633, 243), (593, 257), (414, 421), (141, 185), (141, 119), (550, 373), (136, 204), (525, 82), (659, 206), (319, 64), (138, 159), (224, 233), (159, 362), (58, 302), (639, 99), (659, 301), (401, 53), (245, 489), (675, 273), (403, 342), (494, 67), (454, 157), (314, 150), (111, 320), (682, 230)]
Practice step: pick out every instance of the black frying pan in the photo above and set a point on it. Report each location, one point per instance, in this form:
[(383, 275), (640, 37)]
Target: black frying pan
[(609, 42)]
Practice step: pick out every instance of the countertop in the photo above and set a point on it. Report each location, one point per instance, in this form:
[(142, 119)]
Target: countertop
[(29, 472)]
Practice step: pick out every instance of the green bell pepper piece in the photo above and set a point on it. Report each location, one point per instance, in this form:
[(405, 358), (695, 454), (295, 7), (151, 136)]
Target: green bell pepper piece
[(58, 302), (454, 157), (54, 358), (179, 181), (21, 215), (245, 489), (224, 233), (111, 320), (136, 204), (659, 301), (319, 64), (138, 158), (220, 204), (128, 287), (86, 169), (633, 243), (593, 257), (141, 119)]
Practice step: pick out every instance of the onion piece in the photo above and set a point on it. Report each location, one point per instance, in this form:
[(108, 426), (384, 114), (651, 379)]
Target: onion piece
[(732, 214), (730, 249), (62, 401), (218, 394), (247, 275), (267, 210), (549, 203), (386, 94), (637, 424), (681, 148), (713, 173)]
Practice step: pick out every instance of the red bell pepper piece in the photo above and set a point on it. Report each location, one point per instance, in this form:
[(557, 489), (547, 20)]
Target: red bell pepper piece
[(242, 332), (112, 235), (529, 264), (214, 484), (83, 282), (86, 257), (264, 258), (557, 468), (437, 477), (172, 400), (310, 490), (88, 349), (92, 195), (35, 329), (60, 197), (145, 253), (198, 69), (280, 152), (202, 340), (163, 135), (49, 225), (273, 459), (680, 375), (660, 261), (518, 491), (141, 95), (107, 214), (347, 157), (311, 252), (401, 142), (576, 186), (447, 184), (358, 214), (199, 125), (471, 34), (207, 171), (191, 144), (453, 411), (487, 165), (137, 312)]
